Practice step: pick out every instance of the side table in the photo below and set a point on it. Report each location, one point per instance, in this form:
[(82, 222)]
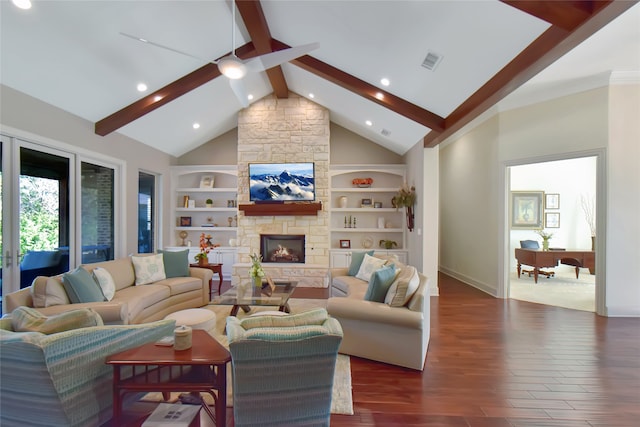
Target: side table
[(216, 268), (202, 368)]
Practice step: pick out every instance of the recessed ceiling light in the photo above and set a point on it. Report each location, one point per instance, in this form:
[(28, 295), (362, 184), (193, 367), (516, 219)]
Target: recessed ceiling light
[(311, 95), (380, 95), (22, 4), (196, 125), (157, 98), (141, 87), (249, 97), (369, 123), (385, 81)]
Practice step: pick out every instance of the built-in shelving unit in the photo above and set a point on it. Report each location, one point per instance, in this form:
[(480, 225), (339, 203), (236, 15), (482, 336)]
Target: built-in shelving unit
[(356, 226), (218, 220)]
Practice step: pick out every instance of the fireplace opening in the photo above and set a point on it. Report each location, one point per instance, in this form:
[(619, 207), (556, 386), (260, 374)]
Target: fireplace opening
[(282, 248)]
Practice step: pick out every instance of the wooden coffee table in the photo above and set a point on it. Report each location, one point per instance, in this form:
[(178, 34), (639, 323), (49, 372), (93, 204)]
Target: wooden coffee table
[(202, 368)]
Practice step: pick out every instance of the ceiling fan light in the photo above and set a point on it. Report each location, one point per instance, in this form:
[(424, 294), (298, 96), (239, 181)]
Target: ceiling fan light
[(232, 68)]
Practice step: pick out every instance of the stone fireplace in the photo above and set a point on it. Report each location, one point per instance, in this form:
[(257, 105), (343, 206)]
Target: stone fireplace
[(292, 130), (282, 248)]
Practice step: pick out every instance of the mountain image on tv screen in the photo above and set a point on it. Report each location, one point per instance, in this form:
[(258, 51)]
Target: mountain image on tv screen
[(281, 182)]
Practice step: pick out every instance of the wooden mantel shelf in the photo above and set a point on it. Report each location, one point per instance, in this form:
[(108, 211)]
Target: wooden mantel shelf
[(281, 209)]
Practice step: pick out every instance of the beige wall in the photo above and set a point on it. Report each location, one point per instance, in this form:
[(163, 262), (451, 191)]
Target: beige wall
[(222, 150), (350, 148), (474, 202)]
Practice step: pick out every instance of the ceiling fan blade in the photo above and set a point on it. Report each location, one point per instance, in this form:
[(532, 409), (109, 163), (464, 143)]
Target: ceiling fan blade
[(273, 59), (143, 40), (241, 93)]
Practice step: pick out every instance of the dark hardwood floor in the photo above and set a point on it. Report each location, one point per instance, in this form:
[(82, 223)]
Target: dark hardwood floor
[(502, 363)]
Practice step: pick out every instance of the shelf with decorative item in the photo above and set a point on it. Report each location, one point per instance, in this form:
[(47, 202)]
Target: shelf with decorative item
[(206, 190), (364, 190), (366, 230), (212, 229), (214, 209)]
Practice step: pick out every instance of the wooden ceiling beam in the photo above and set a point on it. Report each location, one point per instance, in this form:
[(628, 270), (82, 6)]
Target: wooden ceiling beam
[(366, 90), (256, 24), (542, 52), (563, 14), (167, 94)]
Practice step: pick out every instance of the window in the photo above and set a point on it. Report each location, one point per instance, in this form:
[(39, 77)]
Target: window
[(146, 217)]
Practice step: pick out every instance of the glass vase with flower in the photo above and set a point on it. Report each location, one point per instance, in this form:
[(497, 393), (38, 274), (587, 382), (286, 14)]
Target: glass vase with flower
[(256, 272), (546, 236)]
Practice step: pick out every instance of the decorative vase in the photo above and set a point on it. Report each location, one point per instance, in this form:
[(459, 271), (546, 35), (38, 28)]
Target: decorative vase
[(342, 201), (545, 244), (203, 262), (257, 282)]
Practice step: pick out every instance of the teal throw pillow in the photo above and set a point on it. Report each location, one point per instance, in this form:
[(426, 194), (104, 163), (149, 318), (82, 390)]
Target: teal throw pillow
[(176, 264), (380, 283), (81, 287), (356, 260)]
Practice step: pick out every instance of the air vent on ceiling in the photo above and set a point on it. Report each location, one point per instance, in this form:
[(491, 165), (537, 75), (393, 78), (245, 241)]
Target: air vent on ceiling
[(431, 61), (385, 132)]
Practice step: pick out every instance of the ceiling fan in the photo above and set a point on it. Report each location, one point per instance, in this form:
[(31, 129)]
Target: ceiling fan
[(235, 68)]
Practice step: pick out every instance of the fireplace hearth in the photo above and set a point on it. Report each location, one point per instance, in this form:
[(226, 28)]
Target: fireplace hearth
[(277, 248)]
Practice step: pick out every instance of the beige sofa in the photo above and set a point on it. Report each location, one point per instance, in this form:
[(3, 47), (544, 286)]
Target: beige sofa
[(131, 304), (376, 330)]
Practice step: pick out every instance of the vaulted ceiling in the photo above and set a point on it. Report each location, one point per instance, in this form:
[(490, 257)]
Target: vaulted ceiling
[(71, 54)]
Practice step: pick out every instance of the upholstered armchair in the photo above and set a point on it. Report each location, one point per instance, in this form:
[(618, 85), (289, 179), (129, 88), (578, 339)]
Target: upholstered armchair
[(283, 368), (61, 379)]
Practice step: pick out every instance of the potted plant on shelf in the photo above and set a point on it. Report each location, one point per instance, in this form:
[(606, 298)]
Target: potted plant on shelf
[(209, 203), (202, 257), (388, 244), (256, 272), (406, 197), (546, 236)]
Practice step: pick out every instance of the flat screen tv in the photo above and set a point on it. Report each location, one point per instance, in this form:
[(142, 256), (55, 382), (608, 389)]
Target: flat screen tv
[(280, 182)]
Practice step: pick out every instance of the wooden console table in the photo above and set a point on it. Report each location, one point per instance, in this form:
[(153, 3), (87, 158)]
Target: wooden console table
[(539, 259), (215, 268)]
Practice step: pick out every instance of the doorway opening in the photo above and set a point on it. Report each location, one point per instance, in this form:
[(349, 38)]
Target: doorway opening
[(564, 208)]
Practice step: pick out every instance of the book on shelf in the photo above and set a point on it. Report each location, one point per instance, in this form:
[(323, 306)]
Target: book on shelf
[(172, 415)]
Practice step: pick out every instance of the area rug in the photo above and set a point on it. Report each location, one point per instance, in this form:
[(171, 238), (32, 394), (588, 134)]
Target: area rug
[(342, 400), (562, 290)]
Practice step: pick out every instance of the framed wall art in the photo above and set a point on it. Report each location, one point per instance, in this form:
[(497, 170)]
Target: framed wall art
[(345, 244), (185, 221), (552, 201), (552, 220), (207, 181), (526, 209)]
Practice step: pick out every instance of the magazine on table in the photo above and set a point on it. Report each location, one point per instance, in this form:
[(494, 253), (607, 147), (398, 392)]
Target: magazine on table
[(172, 415)]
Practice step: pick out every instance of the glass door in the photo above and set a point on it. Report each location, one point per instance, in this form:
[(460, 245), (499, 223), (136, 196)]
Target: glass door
[(44, 213)]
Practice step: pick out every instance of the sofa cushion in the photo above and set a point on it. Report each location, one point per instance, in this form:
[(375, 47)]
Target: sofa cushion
[(351, 286), (403, 287), (180, 285), (356, 261), (48, 291), (26, 319), (148, 268), (380, 283), (369, 265), (121, 271), (81, 287), (139, 298), (104, 279), (176, 263)]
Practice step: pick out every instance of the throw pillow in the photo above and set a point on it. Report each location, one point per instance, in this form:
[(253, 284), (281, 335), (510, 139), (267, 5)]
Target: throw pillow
[(403, 287), (380, 283), (27, 319), (368, 266), (148, 269), (104, 279), (48, 291), (356, 261), (176, 264), (81, 287)]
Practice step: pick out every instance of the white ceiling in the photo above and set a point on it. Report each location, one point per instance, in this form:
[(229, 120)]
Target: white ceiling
[(70, 54)]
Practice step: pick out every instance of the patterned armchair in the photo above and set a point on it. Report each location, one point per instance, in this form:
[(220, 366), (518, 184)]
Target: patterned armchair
[(283, 368), (62, 379)]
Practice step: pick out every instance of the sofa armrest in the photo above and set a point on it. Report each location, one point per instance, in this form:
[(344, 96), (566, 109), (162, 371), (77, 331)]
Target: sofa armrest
[(374, 312), (19, 298), (337, 272), (203, 274)]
